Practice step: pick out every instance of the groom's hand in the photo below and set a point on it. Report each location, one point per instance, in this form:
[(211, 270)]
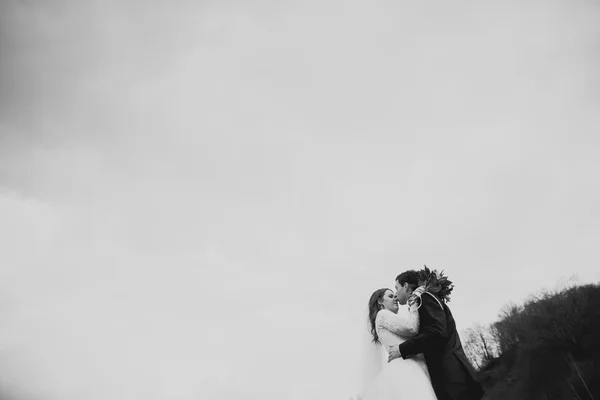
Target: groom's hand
[(393, 353)]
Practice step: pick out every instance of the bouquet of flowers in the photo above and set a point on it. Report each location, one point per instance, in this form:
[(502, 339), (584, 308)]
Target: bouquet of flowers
[(435, 283)]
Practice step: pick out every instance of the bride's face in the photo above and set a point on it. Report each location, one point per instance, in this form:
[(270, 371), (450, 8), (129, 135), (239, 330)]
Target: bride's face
[(389, 302)]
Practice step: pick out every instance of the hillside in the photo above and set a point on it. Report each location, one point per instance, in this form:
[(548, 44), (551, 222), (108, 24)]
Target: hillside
[(547, 348)]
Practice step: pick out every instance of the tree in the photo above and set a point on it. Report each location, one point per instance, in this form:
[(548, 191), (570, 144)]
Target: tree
[(480, 345)]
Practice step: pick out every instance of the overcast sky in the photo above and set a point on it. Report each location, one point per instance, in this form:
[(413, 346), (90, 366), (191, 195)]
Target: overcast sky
[(197, 198)]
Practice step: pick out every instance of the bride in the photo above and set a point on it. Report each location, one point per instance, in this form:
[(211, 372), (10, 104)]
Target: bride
[(389, 326)]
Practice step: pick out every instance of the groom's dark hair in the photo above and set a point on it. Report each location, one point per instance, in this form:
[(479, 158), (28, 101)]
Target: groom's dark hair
[(411, 277)]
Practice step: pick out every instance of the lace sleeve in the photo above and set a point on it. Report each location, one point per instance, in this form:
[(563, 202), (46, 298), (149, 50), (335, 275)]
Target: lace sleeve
[(405, 323)]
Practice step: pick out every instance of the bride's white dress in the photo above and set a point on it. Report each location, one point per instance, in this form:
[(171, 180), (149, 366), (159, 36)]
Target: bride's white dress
[(400, 379)]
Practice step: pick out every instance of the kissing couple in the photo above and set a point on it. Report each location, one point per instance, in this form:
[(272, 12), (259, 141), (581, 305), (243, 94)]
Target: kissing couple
[(426, 360)]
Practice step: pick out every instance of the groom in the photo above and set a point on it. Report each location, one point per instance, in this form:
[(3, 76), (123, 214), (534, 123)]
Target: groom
[(452, 376)]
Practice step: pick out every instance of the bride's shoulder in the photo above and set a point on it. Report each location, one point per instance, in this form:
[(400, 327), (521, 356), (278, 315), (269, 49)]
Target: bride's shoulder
[(383, 314)]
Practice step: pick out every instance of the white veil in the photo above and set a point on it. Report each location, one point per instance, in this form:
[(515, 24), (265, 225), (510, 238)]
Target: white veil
[(371, 358)]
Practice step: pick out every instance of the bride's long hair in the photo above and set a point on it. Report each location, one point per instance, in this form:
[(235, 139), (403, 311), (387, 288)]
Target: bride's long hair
[(374, 308)]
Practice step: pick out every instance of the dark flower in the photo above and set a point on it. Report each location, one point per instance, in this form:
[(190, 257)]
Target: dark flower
[(436, 283)]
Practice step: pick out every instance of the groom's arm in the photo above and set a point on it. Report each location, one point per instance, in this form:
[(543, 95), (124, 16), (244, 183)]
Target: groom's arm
[(433, 328)]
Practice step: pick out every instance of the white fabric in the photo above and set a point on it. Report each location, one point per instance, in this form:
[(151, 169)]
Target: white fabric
[(399, 378), (372, 360)]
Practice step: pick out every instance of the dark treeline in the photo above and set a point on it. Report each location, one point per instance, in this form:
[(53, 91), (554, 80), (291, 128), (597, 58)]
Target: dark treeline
[(547, 348)]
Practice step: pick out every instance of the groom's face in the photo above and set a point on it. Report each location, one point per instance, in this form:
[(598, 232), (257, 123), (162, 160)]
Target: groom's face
[(402, 292)]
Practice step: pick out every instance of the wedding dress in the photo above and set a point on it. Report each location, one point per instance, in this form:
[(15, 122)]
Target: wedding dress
[(400, 378)]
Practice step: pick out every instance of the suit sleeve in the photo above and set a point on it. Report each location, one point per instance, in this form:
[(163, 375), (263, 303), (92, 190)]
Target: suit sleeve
[(433, 328)]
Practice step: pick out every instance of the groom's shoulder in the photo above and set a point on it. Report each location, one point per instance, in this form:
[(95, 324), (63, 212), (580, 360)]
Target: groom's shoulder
[(431, 299)]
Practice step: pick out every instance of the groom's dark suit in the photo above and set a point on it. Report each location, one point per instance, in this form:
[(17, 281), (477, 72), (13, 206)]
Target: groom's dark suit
[(452, 375)]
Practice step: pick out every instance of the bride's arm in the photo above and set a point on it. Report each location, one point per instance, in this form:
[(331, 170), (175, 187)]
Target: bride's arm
[(405, 323)]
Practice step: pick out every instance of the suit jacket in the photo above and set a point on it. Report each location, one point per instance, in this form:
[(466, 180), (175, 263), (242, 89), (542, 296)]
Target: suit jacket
[(452, 375)]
